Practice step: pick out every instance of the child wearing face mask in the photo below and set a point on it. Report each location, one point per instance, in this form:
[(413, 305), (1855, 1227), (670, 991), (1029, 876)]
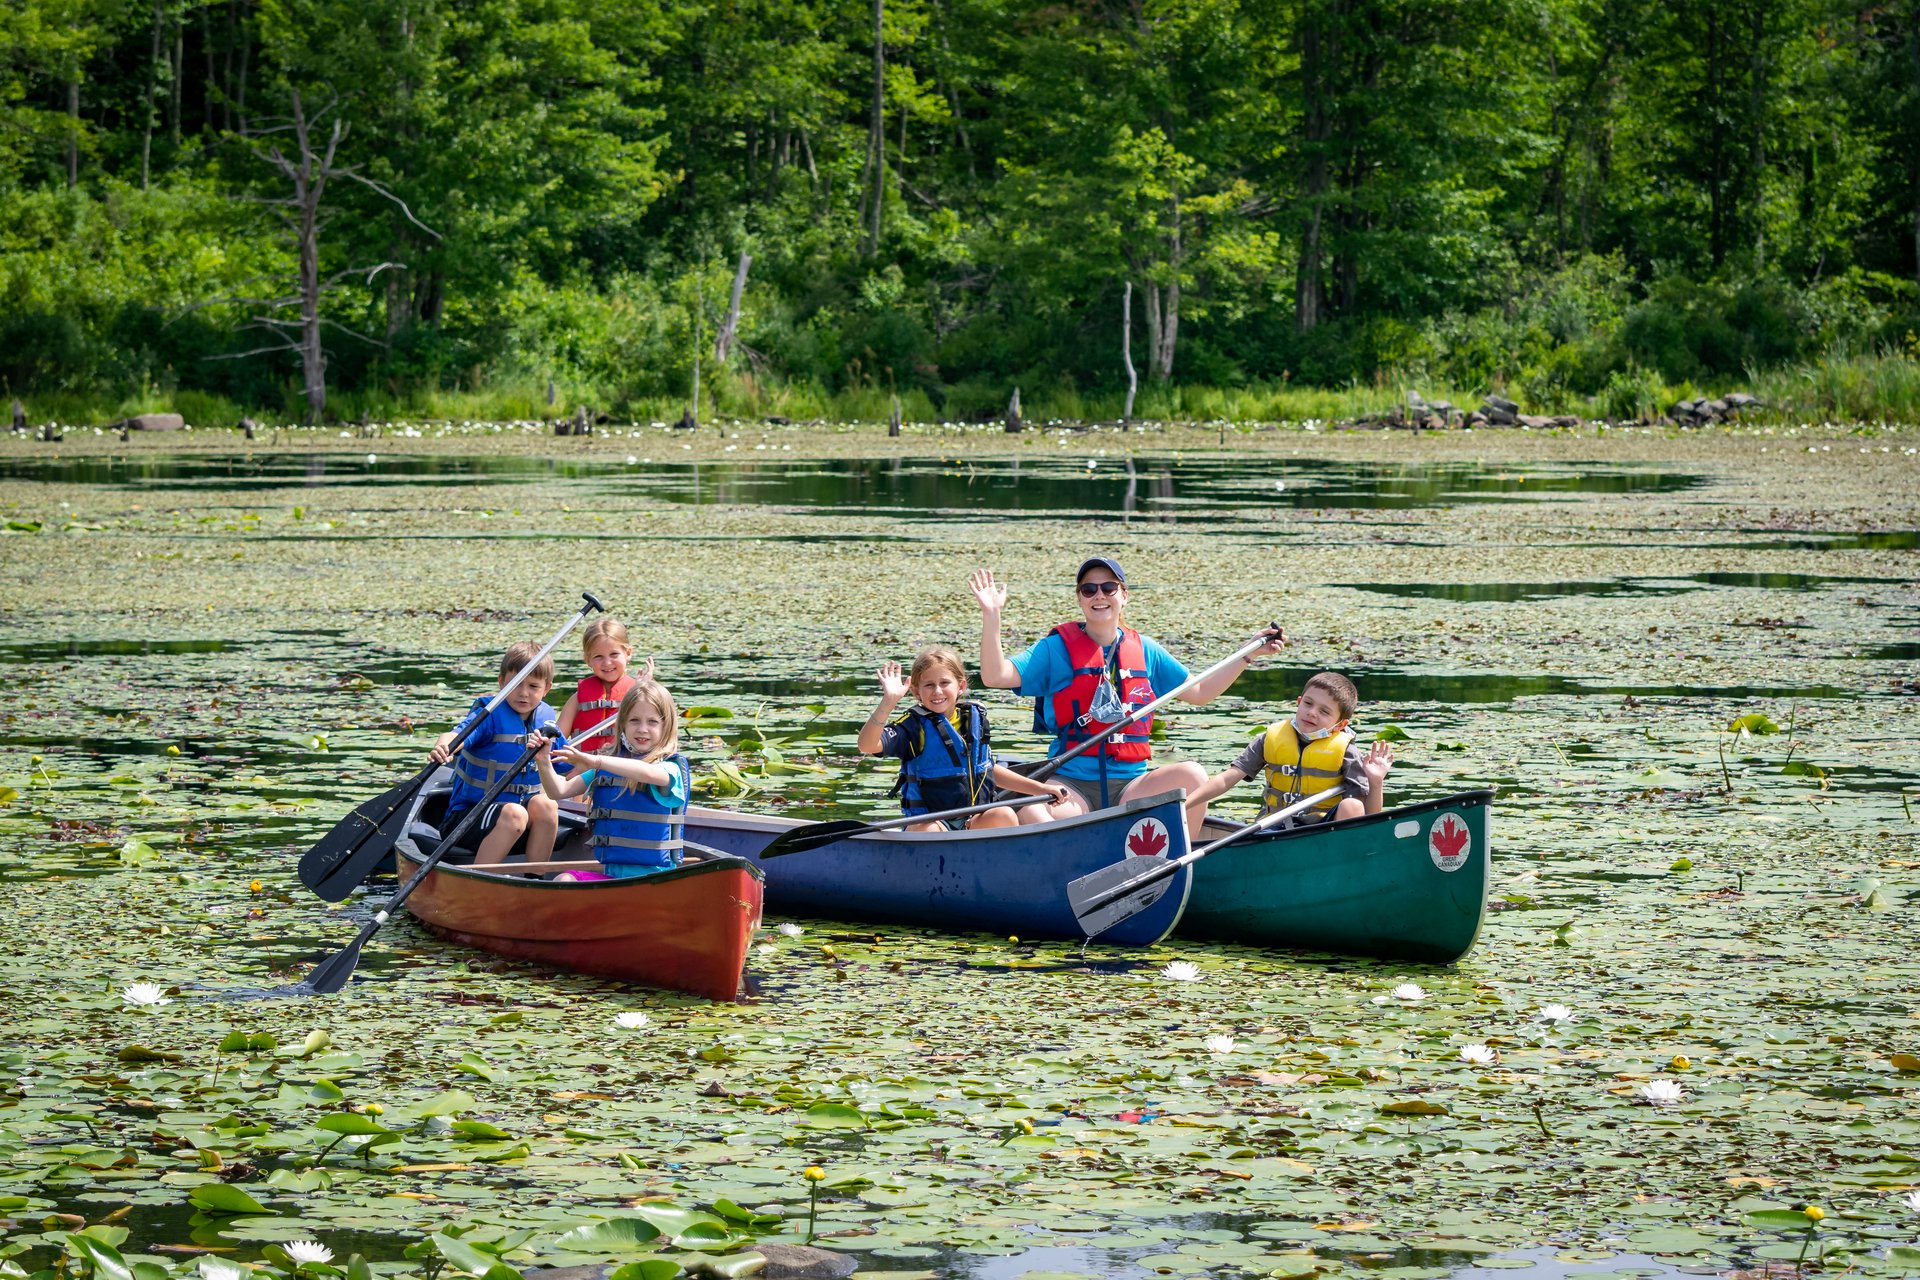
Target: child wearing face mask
[(1313, 751)]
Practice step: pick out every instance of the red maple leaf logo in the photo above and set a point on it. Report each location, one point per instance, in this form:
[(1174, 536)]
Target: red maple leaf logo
[(1450, 836), (1148, 841)]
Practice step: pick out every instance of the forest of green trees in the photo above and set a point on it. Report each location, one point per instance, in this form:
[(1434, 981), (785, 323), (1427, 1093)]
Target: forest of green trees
[(322, 208)]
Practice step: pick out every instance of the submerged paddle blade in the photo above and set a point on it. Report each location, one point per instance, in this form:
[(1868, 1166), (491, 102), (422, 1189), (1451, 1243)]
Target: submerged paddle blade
[(333, 973), (801, 839), (1102, 899)]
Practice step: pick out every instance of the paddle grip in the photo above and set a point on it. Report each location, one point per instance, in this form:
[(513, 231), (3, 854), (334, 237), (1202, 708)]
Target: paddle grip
[(593, 602)]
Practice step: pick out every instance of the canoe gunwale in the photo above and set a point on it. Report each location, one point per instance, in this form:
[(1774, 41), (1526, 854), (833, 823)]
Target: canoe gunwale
[(708, 861), (1477, 798), (920, 840)]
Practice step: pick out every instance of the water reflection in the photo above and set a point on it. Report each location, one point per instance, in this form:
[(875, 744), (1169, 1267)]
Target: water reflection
[(1163, 490)]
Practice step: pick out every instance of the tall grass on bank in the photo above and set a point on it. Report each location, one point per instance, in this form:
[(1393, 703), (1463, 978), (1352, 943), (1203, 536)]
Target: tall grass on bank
[(1879, 386)]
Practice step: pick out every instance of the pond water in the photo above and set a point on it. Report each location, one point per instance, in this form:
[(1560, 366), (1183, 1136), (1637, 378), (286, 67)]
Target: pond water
[(214, 658)]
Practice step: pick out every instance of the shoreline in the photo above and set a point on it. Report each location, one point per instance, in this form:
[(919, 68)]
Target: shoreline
[(753, 441)]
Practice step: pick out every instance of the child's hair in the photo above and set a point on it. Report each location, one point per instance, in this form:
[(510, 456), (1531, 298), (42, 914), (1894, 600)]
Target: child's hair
[(655, 695), (605, 627), (938, 656), (520, 655), (1339, 688)]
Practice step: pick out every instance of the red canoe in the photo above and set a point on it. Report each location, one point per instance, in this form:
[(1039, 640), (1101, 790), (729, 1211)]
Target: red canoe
[(685, 930)]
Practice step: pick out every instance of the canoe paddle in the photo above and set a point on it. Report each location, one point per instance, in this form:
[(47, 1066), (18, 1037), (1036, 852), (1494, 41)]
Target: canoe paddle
[(1102, 899), (333, 973), (1053, 763), (347, 855), (813, 835)]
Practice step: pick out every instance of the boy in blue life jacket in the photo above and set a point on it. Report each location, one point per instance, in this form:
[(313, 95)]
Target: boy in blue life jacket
[(1310, 752), (520, 813), (945, 748)]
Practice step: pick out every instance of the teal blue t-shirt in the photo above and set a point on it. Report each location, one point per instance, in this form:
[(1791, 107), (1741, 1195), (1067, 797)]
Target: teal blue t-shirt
[(1045, 670)]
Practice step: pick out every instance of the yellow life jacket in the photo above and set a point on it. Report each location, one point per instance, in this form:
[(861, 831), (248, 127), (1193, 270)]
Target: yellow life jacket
[(1293, 773)]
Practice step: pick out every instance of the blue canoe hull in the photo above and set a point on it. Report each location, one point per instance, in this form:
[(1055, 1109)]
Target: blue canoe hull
[(1009, 881)]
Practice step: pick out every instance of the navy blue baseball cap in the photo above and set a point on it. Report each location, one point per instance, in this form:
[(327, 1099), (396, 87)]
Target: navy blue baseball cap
[(1108, 563)]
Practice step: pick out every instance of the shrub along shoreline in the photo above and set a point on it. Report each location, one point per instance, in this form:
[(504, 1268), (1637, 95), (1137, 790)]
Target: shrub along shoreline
[(1880, 388)]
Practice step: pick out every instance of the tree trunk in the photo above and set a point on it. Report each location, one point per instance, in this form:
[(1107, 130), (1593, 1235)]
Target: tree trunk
[(1152, 295), (1126, 350), (1757, 134), (1317, 47), (177, 88), (1716, 147), (695, 410), (73, 134), (309, 185), (146, 112), (1162, 355), (1913, 154), (875, 194), (724, 342)]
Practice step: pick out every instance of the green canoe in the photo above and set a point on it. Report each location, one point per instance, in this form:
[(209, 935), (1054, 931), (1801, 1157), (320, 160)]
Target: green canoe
[(1402, 884)]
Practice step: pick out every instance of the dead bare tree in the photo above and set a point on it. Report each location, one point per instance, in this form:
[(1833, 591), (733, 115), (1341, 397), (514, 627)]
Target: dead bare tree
[(309, 167), (724, 342)]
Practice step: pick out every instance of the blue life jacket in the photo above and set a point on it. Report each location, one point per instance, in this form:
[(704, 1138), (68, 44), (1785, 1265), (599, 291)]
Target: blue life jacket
[(635, 824), (946, 770), (492, 750)]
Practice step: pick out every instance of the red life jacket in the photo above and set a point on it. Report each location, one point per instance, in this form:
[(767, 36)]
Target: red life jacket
[(593, 702), (1072, 723)]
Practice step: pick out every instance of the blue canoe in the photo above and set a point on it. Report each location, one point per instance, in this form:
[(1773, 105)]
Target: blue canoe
[(1007, 881)]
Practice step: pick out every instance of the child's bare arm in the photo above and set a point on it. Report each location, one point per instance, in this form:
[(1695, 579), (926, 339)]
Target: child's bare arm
[(564, 722), (893, 687), (440, 754), (555, 786), (653, 773), (1218, 785), (1009, 780)]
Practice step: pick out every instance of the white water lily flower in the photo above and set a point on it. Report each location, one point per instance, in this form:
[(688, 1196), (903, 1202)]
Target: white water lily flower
[(1219, 1044), (146, 993), (1555, 1013), (1477, 1054), (302, 1251), (632, 1020), (1661, 1093), (1181, 971), (1912, 1200), (1408, 991), (791, 930)]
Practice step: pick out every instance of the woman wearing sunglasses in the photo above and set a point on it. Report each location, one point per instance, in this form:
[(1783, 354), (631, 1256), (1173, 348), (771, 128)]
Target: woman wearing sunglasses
[(1084, 677)]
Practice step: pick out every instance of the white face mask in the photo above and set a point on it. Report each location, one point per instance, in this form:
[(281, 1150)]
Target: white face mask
[(1309, 735)]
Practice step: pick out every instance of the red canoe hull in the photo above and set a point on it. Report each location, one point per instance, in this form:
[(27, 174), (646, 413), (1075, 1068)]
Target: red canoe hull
[(682, 930)]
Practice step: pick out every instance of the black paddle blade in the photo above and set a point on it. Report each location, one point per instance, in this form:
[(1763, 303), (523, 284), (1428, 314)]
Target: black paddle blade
[(333, 973), (1102, 899), (812, 836), (340, 860)]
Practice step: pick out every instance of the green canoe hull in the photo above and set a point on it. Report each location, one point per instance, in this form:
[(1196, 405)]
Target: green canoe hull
[(1401, 884)]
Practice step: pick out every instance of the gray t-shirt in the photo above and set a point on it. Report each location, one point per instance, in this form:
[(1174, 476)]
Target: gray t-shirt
[(1253, 763)]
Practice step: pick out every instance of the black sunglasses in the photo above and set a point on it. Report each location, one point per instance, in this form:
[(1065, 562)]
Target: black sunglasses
[(1092, 589)]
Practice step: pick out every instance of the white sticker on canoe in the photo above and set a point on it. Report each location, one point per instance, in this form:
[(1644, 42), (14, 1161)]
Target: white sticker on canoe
[(1147, 838), (1449, 841)]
